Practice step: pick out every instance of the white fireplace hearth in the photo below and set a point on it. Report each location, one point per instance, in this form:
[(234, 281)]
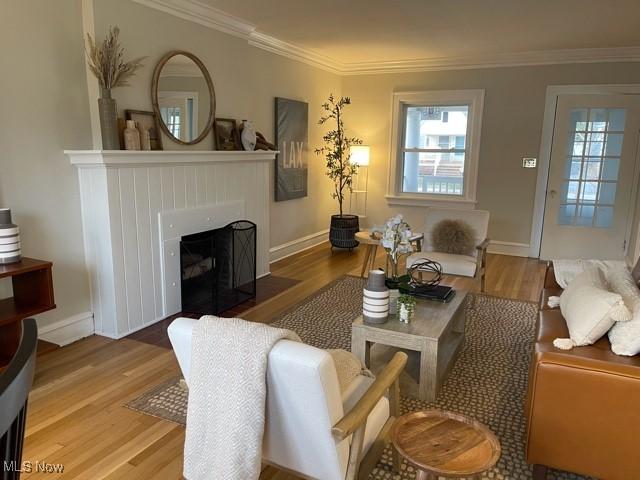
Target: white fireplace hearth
[(136, 206)]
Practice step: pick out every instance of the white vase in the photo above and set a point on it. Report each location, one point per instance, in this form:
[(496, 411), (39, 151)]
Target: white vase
[(375, 301), (248, 136), (404, 313)]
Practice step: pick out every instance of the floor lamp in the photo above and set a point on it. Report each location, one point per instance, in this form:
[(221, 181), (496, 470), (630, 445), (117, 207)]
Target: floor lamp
[(360, 156)]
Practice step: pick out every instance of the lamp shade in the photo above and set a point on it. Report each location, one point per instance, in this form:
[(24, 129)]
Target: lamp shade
[(360, 155)]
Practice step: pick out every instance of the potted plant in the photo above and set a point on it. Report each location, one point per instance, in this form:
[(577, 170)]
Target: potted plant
[(406, 307), (106, 62), (337, 153)]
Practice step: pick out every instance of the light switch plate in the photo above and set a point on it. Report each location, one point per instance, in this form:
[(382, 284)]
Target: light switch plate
[(529, 162)]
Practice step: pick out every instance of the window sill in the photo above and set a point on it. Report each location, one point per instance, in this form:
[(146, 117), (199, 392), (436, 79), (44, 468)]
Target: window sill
[(430, 201)]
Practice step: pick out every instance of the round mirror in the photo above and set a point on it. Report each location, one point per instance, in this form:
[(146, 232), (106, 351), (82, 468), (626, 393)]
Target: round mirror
[(183, 97)]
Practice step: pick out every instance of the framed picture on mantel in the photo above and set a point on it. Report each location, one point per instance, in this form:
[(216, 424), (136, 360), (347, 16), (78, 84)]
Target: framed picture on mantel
[(292, 139)]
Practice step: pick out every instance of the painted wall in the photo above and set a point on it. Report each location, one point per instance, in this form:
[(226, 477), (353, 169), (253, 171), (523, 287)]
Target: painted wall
[(44, 80), (44, 88), (246, 80), (511, 129)]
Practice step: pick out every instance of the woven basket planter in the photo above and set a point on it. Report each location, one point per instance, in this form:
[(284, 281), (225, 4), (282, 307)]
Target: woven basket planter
[(343, 231)]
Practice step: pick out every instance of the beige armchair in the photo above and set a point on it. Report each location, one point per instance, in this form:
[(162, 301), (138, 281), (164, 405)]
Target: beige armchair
[(312, 429), (463, 265)]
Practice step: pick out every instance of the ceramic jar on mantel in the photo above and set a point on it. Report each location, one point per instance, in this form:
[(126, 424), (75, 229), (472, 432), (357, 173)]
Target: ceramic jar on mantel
[(248, 136), (131, 136), (10, 247), (375, 302)]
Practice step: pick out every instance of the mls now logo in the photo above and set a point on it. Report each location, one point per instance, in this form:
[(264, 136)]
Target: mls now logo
[(30, 467)]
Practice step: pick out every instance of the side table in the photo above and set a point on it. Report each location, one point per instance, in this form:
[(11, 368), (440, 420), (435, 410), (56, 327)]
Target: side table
[(440, 443), (365, 238)]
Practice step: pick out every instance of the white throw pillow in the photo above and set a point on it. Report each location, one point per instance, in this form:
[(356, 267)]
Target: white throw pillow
[(589, 310), (625, 336)]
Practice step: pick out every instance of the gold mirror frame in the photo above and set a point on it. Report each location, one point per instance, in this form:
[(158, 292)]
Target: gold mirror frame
[(212, 96)]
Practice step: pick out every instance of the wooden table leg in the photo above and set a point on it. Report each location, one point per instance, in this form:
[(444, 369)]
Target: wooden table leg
[(367, 254), (428, 371), (374, 252), (360, 347)]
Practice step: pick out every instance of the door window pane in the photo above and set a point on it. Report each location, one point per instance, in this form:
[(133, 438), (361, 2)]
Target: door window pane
[(610, 168), (592, 168), (614, 145), (579, 120)]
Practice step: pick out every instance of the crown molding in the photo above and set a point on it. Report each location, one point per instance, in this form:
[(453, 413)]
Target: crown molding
[(548, 57), (211, 17), (295, 52)]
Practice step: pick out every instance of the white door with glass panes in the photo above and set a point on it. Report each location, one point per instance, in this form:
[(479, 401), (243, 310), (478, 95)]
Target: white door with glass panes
[(592, 177)]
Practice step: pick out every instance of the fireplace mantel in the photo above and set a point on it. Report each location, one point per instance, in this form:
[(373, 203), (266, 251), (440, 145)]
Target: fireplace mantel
[(135, 205), (123, 158)]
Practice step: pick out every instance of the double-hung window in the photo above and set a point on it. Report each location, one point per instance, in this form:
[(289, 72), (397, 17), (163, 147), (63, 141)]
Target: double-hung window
[(436, 140)]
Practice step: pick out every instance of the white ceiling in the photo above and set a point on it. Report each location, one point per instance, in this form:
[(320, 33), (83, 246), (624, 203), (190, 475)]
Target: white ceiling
[(354, 31)]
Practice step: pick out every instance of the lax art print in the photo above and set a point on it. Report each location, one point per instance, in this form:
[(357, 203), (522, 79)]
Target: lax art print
[(292, 139)]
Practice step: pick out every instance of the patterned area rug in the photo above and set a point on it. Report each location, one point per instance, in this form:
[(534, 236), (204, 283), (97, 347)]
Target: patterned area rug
[(488, 381)]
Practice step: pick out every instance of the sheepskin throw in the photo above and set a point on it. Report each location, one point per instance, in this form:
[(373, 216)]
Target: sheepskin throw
[(453, 236), (227, 394)]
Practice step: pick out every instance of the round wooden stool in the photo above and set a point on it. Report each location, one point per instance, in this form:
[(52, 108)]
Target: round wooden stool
[(364, 237), (445, 444)]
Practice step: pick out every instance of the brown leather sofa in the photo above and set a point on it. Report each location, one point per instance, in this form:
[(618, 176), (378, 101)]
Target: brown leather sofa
[(583, 405)]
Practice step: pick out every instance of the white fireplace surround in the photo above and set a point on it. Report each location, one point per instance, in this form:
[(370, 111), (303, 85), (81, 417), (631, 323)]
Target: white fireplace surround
[(135, 208)]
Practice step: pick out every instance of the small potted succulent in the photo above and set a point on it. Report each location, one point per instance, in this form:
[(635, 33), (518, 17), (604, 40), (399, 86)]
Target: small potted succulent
[(406, 307)]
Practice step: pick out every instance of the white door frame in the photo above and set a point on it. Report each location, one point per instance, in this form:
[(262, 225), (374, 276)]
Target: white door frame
[(544, 159)]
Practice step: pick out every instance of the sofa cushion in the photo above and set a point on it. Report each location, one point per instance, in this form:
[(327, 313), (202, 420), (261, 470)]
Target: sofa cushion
[(452, 264), (625, 336), (589, 309)]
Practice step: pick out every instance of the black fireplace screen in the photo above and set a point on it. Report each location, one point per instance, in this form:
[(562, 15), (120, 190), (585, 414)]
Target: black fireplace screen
[(218, 268)]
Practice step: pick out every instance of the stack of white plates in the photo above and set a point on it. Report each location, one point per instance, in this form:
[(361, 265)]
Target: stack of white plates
[(10, 250)]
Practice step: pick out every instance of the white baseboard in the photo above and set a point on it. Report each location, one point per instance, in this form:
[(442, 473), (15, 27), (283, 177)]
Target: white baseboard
[(290, 248), (509, 248), (68, 330)]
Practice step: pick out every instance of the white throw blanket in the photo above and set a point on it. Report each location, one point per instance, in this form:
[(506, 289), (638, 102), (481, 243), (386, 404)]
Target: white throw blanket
[(227, 392), (567, 270)]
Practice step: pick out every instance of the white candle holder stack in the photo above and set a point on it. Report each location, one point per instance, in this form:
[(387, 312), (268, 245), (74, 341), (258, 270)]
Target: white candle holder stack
[(375, 303), (10, 249)]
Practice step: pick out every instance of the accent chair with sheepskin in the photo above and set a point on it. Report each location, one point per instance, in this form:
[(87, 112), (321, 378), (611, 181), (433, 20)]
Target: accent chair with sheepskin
[(459, 256)]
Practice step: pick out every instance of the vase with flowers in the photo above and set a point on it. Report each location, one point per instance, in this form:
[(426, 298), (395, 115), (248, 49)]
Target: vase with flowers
[(106, 62), (395, 238)]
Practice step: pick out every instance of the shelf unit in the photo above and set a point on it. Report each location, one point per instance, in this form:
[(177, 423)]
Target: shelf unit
[(32, 294)]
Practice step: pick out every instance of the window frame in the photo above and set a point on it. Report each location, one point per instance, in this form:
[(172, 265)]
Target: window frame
[(474, 99)]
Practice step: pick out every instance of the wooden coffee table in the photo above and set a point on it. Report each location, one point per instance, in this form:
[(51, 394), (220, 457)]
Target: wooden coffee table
[(436, 331), (446, 444)]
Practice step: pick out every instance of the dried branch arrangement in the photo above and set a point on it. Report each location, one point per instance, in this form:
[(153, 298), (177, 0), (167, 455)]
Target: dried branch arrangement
[(107, 63)]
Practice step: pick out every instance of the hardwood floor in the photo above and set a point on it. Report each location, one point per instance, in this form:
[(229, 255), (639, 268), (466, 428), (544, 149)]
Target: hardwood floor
[(76, 411)]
